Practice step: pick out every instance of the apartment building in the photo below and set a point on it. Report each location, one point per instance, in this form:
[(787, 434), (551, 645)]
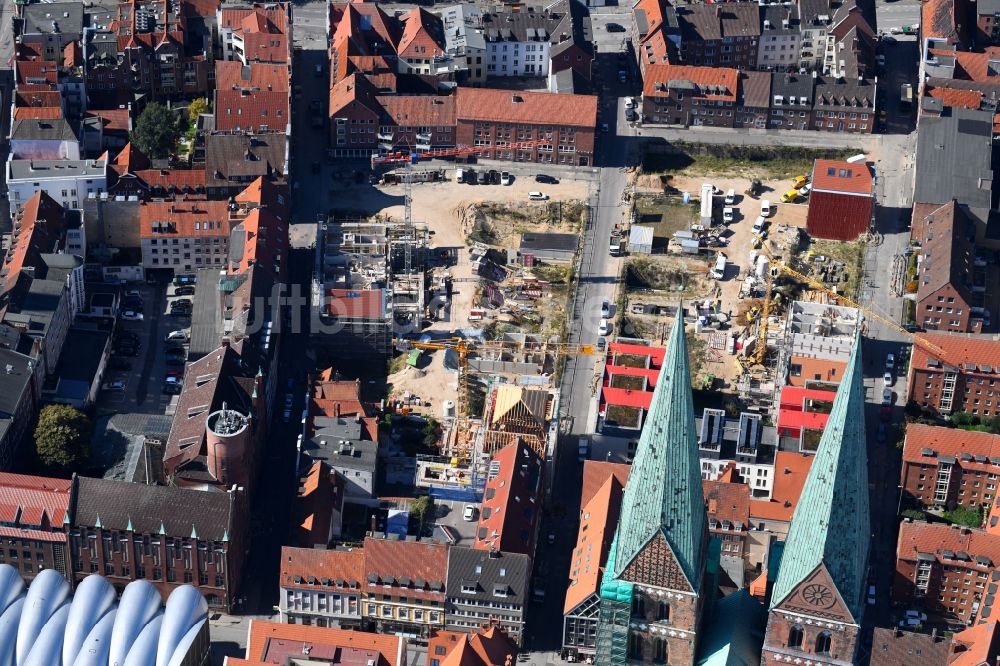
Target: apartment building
[(725, 35), (792, 97), (844, 105), (184, 235), (946, 570), (690, 96), (493, 119), (511, 509), (69, 182), (252, 98), (952, 285), (272, 642), (20, 389), (34, 511), (487, 587), (753, 99), (517, 44), (945, 467), (255, 33), (727, 502), (421, 42), (600, 504), (956, 373), (129, 531), (322, 587), (780, 37)]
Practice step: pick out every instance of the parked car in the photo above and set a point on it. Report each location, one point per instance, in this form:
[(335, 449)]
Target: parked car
[(602, 344), (765, 208), (888, 379), (131, 315), (116, 385), (615, 27), (186, 279), (184, 290), (890, 362), (176, 335), (728, 214), (180, 301), (482, 178), (604, 328), (871, 595), (547, 179), (538, 196), (494, 177), (605, 309), (800, 181), (469, 513), (887, 396), (806, 189), (759, 225), (791, 196), (885, 413), (506, 178)]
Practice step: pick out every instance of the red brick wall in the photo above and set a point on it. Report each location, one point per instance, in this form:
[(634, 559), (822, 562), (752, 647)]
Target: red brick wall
[(838, 217), (359, 118), (928, 308), (966, 578), (468, 132), (843, 642)]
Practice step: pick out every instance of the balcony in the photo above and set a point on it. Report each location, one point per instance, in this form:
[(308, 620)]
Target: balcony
[(385, 136)]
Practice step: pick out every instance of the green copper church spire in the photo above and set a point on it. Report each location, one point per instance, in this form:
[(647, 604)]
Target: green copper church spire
[(831, 524), (663, 494)]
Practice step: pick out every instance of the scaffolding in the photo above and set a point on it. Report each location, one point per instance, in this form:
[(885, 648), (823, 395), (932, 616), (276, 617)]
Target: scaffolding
[(614, 616)]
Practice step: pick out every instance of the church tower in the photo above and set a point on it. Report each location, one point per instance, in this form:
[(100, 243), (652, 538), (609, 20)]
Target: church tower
[(818, 597), (654, 583)]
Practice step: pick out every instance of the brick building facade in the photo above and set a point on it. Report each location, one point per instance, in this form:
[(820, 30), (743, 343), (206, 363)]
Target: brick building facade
[(31, 524), (966, 377), (945, 467), (127, 531)]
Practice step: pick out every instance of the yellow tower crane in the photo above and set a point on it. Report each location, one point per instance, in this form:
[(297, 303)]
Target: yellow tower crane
[(758, 355)]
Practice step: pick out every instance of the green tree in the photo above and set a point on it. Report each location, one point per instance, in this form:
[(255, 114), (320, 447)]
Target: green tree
[(62, 437), (963, 516), (156, 131), (422, 508), (196, 108)]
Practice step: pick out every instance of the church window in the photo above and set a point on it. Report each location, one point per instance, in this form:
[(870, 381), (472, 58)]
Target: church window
[(660, 651), (795, 637), (663, 611), (823, 643)]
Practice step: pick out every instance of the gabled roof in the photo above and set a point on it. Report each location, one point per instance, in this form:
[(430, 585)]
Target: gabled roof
[(948, 250), (663, 497), (976, 646), (488, 647), (337, 568), (273, 643), (423, 35), (33, 504), (710, 83), (43, 225), (116, 504), (830, 526), (598, 521), (924, 444), (176, 219), (491, 105), (511, 506), (970, 353), (842, 177), (416, 569)]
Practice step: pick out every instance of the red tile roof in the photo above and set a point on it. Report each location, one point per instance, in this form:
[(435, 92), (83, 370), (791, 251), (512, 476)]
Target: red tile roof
[(251, 110), (654, 46), (265, 243), (44, 97), (937, 20), (34, 507), (713, 83), (341, 568), (972, 66), (115, 120), (36, 71), (842, 177), (959, 351), (598, 522), (42, 228), (230, 74), (421, 35), (790, 470), (421, 565), (173, 180), (976, 646), (419, 110), (727, 502), (334, 397), (529, 108), (937, 538), (953, 97), (274, 643), (184, 219), (488, 647), (512, 501), (950, 442), (596, 472), (38, 112), (320, 493)]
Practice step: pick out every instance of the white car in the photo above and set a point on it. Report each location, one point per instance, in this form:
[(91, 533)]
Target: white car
[(538, 196), (765, 208), (131, 315), (604, 328), (176, 335), (629, 102), (888, 379), (505, 178), (728, 214), (469, 513), (759, 224)]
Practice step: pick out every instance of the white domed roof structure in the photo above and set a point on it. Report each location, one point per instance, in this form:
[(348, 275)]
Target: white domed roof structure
[(43, 625)]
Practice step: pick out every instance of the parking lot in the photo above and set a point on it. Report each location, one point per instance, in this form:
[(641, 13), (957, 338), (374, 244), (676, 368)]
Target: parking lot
[(140, 352)]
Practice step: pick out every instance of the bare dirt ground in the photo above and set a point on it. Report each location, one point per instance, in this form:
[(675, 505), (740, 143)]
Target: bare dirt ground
[(443, 207)]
